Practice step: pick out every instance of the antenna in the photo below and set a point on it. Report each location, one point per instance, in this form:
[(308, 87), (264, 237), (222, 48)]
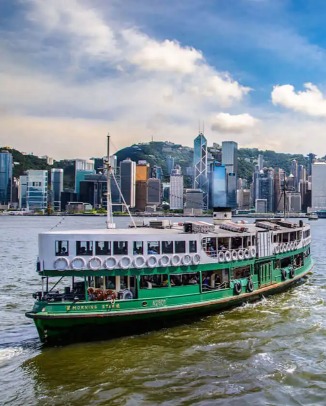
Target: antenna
[(109, 216)]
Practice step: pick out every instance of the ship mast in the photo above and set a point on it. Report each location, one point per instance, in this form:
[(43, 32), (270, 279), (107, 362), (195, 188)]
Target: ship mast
[(109, 217)]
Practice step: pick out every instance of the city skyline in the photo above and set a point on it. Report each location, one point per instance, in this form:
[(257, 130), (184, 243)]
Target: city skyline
[(73, 71)]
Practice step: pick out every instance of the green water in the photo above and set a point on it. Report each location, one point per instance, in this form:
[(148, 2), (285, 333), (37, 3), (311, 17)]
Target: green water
[(269, 353)]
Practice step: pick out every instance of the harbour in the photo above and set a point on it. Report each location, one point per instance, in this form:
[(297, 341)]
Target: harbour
[(270, 351)]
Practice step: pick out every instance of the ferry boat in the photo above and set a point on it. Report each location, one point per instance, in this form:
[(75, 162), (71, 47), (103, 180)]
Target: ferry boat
[(102, 283)]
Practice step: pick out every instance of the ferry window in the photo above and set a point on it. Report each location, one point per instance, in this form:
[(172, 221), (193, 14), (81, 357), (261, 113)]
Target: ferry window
[(61, 248), (192, 246), (103, 248), (285, 237), (167, 247), (138, 248), (180, 247), (154, 281), (84, 247), (120, 247), (153, 247), (236, 243), (292, 236), (184, 279), (242, 272)]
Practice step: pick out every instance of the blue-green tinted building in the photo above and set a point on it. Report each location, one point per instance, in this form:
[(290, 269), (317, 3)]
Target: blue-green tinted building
[(217, 192), (5, 177)]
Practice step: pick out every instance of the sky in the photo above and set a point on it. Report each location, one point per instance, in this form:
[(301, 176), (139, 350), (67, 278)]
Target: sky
[(250, 71)]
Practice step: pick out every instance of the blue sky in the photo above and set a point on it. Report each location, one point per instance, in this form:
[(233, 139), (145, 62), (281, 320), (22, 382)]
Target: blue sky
[(254, 71)]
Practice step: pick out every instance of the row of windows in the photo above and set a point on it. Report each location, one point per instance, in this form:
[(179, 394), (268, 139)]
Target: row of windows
[(121, 247)]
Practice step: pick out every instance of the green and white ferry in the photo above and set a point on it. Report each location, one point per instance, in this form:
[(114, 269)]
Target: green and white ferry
[(100, 283)]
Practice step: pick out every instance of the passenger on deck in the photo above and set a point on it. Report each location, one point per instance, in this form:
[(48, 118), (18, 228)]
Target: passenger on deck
[(206, 282), (63, 251), (222, 247), (193, 280), (152, 251)]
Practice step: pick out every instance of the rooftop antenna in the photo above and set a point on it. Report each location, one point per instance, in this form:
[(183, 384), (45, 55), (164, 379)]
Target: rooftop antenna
[(109, 217)]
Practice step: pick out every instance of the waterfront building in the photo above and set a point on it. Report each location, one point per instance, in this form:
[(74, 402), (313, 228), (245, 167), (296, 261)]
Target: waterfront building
[(294, 202), (264, 186), (176, 189), (6, 164), (37, 190), (318, 186), (260, 162), (154, 194), (128, 181), (157, 172), (261, 206), (56, 188), (200, 167), (83, 167), (68, 196), (217, 189), (22, 192), (193, 202), (93, 190), (142, 175), (243, 199), (295, 173)]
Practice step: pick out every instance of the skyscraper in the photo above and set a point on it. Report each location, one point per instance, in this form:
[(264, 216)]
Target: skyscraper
[(217, 192), (153, 192), (230, 161), (142, 175), (128, 181), (5, 177), (56, 188), (200, 167)]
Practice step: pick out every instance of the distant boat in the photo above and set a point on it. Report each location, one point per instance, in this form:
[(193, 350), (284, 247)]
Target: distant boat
[(313, 216)]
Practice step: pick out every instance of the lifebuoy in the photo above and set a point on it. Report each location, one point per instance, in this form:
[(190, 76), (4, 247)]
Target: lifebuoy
[(125, 262), (221, 256), (175, 260), (78, 263), (283, 273), (241, 255), (127, 294), (227, 256), (110, 263), (61, 264), (237, 288), (95, 263), (186, 260), (291, 273), (196, 259), (246, 253), (139, 261), (151, 261), (253, 252), (250, 286), (234, 255), (165, 260)]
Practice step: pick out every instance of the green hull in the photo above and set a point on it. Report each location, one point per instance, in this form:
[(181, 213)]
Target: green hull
[(65, 322)]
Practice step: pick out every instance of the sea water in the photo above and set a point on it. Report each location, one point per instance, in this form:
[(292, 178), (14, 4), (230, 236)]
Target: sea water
[(271, 352)]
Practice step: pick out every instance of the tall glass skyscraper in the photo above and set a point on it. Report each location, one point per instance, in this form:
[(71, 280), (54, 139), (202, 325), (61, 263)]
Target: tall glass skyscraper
[(128, 181), (200, 167), (56, 188), (5, 177), (230, 161), (217, 184), (37, 190)]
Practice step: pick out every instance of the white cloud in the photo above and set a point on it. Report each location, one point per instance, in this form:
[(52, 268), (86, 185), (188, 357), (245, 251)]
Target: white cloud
[(228, 123), (311, 101)]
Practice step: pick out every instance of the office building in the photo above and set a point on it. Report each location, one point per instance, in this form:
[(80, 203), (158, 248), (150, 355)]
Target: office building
[(93, 190), (56, 188), (154, 192), (83, 167), (217, 185), (37, 190), (128, 181), (6, 164), (142, 175), (200, 168), (230, 161), (22, 192), (169, 164), (264, 187), (193, 202), (261, 206)]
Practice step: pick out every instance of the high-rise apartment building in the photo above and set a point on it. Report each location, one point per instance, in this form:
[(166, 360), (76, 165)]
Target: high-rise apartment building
[(176, 189), (56, 188), (154, 192), (128, 181), (6, 164), (200, 167)]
